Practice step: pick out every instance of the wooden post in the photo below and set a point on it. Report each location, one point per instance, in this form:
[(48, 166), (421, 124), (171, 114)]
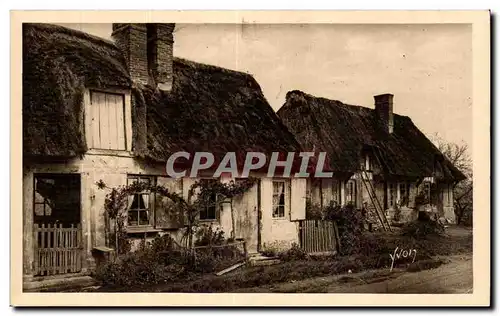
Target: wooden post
[(245, 251), (36, 254), (44, 256)]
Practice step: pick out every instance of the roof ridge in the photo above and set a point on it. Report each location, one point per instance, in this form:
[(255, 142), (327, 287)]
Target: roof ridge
[(335, 102), (190, 62), (112, 44), (73, 32)]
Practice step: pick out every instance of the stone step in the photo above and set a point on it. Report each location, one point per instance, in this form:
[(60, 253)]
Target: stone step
[(261, 260)]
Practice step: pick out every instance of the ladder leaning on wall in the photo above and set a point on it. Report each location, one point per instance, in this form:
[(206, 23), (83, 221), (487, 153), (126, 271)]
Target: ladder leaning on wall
[(376, 206)]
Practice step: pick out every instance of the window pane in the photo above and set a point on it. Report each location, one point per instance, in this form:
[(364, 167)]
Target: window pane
[(282, 199), (211, 212), (278, 211), (278, 187), (135, 202), (39, 198), (279, 198), (133, 218), (145, 201), (203, 214), (281, 211), (143, 217), (48, 210), (39, 209)]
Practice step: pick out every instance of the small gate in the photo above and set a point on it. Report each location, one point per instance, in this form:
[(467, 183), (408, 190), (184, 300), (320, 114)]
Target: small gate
[(58, 249), (319, 236)]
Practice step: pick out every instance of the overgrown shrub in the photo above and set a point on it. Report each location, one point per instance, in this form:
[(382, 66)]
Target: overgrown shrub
[(350, 224), (216, 252), (313, 210), (136, 268), (294, 253), (206, 235), (422, 229)]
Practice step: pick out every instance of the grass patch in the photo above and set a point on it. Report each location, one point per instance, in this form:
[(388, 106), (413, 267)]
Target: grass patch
[(373, 255)]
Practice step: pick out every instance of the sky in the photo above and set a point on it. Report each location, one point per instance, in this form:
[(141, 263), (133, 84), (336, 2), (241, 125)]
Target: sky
[(428, 67)]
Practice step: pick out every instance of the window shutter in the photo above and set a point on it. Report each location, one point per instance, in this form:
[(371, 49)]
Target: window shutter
[(298, 199), (168, 215)]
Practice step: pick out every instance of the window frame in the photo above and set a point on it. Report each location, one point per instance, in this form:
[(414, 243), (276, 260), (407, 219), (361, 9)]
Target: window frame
[(37, 219), (351, 193), (150, 210), (127, 120), (215, 206), (286, 199), (407, 192), (396, 187)]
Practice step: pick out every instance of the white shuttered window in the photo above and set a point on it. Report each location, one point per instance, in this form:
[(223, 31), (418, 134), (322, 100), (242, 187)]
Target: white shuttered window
[(107, 120)]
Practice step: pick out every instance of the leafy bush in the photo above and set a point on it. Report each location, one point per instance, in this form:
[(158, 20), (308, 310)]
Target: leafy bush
[(293, 254), (313, 210), (422, 229), (136, 268), (270, 250), (206, 236), (350, 223)]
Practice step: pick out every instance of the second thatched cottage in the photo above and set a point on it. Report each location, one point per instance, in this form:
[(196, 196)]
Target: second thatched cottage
[(381, 161), (115, 111)]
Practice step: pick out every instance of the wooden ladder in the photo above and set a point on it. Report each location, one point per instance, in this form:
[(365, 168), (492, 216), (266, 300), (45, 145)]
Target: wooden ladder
[(379, 210)]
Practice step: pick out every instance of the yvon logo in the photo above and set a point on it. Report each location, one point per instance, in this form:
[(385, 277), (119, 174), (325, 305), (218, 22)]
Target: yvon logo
[(402, 253)]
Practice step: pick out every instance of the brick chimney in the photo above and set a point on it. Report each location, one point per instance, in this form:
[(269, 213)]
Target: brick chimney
[(148, 50), (383, 108)]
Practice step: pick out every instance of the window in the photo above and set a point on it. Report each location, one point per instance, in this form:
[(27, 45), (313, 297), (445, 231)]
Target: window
[(430, 189), (392, 194), (351, 192), (280, 198), (209, 213), (107, 121), (56, 199), (43, 201), (398, 192), (140, 212), (403, 194)]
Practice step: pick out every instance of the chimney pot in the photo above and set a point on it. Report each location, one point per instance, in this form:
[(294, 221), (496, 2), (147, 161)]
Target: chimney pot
[(384, 110)]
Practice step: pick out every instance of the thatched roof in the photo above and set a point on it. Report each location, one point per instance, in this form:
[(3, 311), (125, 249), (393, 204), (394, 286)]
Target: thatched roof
[(58, 63), (345, 131), (209, 108)]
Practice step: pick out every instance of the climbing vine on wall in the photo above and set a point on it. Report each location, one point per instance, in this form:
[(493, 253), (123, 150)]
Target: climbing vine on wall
[(199, 198)]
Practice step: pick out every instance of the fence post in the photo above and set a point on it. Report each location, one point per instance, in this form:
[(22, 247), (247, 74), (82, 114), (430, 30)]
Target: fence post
[(36, 255), (337, 237)]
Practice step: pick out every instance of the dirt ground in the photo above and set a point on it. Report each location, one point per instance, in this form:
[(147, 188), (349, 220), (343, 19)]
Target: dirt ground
[(444, 266), (453, 277)]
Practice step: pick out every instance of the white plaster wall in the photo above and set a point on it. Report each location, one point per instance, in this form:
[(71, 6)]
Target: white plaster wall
[(112, 170), (278, 234)]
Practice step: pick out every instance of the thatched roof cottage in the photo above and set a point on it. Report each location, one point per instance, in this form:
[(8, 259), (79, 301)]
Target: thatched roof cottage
[(380, 159), (115, 111)]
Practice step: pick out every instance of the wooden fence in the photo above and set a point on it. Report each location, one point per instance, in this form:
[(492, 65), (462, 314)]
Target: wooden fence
[(319, 236), (58, 249)]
